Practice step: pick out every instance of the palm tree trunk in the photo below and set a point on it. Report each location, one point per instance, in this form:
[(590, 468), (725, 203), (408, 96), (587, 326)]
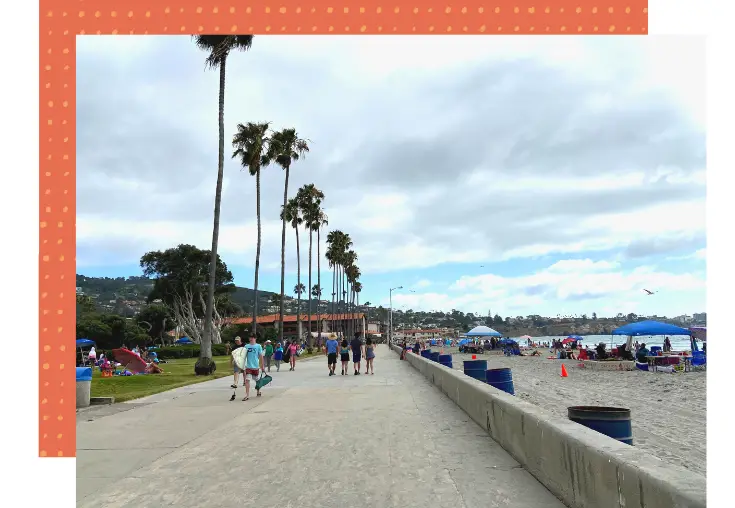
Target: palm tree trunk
[(205, 351), (257, 252), (319, 282), (334, 292), (298, 281), (309, 290), (283, 256)]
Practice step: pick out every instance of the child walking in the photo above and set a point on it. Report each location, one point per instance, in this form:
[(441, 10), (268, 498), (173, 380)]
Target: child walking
[(344, 356), (278, 356)]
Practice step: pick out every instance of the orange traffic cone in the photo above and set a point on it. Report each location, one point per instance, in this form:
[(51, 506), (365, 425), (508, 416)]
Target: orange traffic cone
[(564, 371)]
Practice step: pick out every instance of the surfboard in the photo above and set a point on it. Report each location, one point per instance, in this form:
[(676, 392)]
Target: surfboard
[(239, 356)]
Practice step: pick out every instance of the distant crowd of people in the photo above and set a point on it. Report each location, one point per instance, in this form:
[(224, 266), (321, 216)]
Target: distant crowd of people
[(259, 359)]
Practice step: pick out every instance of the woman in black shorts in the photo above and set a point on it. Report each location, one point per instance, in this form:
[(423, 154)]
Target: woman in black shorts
[(344, 356)]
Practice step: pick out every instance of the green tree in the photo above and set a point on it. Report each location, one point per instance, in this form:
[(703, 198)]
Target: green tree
[(251, 144), (219, 47), (285, 148), (85, 305), (594, 316), (181, 282), (155, 317), (497, 320)]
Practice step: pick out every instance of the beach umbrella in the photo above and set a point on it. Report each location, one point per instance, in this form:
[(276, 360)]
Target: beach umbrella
[(131, 361), (463, 342), (483, 331)]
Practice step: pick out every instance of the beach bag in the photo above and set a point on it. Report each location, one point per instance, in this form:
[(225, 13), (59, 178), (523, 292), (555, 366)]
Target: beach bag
[(286, 356), (263, 380)]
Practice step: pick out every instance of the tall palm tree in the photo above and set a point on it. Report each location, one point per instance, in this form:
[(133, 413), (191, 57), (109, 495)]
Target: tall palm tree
[(298, 290), (367, 318), (251, 143), (291, 213), (310, 200), (285, 148), (349, 270), (358, 289), (219, 47), (321, 221), (336, 241)]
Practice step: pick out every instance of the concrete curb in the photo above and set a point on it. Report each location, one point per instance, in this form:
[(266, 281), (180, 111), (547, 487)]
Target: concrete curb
[(581, 467)]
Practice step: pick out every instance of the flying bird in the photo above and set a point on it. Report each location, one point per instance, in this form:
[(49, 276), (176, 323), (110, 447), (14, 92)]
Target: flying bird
[(649, 292)]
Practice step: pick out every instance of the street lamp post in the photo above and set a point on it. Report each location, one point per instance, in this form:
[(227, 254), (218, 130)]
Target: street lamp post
[(390, 326)]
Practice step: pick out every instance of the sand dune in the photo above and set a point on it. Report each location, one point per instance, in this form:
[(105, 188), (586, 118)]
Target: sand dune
[(668, 411)]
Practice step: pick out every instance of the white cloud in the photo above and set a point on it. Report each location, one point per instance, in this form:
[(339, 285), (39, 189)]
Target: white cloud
[(567, 287)]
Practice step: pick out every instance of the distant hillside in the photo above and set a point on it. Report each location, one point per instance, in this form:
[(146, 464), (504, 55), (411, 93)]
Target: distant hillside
[(127, 295)]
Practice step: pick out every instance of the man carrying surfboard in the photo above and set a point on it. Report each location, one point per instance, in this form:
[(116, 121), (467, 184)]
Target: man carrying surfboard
[(253, 365), (235, 368)]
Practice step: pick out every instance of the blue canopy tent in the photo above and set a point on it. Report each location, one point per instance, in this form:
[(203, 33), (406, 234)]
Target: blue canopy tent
[(85, 342), (184, 340), (483, 331), (651, 328)]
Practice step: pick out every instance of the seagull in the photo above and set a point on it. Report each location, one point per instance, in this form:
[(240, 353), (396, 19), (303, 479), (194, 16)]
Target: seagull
[(649, 292)]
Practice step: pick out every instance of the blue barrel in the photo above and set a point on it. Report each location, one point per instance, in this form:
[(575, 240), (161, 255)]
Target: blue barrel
[(434, 356), (502, 379), (84, 373), (445, 360), (614, 422), (476, 369), (426, 353)]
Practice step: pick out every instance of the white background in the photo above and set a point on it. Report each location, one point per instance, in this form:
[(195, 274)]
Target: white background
[(30, 481)]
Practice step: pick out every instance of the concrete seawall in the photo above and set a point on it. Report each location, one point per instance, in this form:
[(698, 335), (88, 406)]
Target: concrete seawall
[(581, 467)]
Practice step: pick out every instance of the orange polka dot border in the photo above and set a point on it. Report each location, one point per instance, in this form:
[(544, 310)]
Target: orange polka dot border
[(62, 20)]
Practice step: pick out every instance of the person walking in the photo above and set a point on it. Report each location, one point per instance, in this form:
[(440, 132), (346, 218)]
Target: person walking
[(344, 356), (293, 349), (357, 347), (268, 354), (331, 347), (370, 355), (278, 356), (235, 369), (254, 365)]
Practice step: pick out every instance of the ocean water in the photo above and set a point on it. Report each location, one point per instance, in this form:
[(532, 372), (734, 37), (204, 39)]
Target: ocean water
[(678, 342)]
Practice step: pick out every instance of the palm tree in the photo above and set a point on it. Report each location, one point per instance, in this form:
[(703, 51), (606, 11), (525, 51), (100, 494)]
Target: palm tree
[(310, 199), (358, 289), (285, 148), (348, 261), (298, 289), (339, 242), (321, 221), (219, 47), (291, 213), (368, 304), (251, 143)]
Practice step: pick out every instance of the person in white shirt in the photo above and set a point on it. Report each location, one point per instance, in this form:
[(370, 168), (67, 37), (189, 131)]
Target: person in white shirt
[(92, 356)]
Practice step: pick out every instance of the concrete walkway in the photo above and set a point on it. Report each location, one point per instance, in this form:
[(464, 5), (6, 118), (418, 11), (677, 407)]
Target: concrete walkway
[(388, 440)]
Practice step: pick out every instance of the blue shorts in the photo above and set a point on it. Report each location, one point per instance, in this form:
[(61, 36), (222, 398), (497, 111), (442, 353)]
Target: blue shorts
[(356, 357)]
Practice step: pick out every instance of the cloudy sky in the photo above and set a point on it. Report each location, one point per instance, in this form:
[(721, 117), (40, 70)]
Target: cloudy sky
[(539, 175)]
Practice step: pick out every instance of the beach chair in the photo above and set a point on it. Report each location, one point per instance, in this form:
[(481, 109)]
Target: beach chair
[(699, 359)]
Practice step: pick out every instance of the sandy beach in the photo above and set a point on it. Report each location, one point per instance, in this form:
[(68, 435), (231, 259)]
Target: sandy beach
[(668, 411)]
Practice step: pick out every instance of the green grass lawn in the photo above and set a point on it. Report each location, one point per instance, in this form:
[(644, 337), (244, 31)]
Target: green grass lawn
[(176, 373)]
